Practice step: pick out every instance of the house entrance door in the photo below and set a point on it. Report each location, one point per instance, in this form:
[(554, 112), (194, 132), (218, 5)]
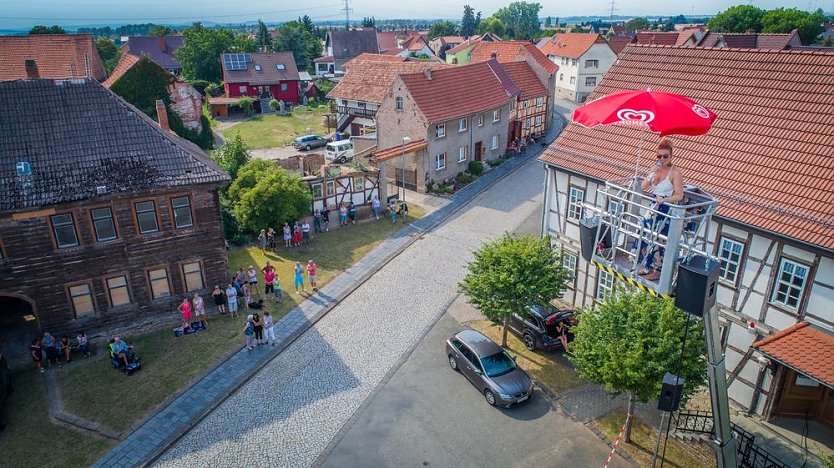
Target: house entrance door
[(479, 151)]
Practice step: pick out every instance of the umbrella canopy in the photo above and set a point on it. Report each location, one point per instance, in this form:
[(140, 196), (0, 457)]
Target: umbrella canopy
[(664, 113)]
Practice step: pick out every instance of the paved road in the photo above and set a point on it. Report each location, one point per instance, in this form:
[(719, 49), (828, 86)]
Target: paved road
[(430, 415)]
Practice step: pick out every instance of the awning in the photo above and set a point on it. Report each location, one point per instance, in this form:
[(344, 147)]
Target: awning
[(805, 349), (396, 151)]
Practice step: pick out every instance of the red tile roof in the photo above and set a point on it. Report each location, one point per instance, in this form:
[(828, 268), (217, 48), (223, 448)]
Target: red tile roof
[(773, 129), (366, 57), (511, 51), (658, 37), (398, 150), (326, 59), (804, 348), (458, 91), (617, 44), (571, 45), (56, 55), (125, 63), (268, 74), (370, 81), (464, 45), (414, 42), (387, 40), (451, 39), (526, 79)]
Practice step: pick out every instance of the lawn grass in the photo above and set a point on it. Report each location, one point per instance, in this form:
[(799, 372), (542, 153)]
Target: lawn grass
[(273, 131), (168, 363), (543, 365), (30, 438), (643, 439)]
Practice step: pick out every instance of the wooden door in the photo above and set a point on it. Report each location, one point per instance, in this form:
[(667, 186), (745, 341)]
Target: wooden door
[(479, 151), (800, 396)]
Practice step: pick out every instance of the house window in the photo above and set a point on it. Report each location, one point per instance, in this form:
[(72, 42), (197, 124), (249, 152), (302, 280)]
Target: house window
[(538, 120), (605, 284), (462, 153), (573, 80), (358, 184), (399, 102), (242, 90), (512, 105), (564, 60), (526, 104), (117, 291), (495, 141), (440, 131), (591, 63), (569, 264), (496, 115), (284, 87), (539, 101), (146, 216), (561, 77), (103, 224), (82, 300), (440, 161), (257, 67), (480, 120), (159, 283), (64, 228), (462, 125), (526, 123), (573, 62), (730, 254), (331, 188), (789, 284), (193, 274), (317, 193), (615, 207), (280, 66), (590, 81), (575, 199), (182, 212)]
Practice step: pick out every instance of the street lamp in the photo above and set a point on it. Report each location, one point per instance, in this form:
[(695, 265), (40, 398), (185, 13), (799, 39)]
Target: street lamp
[(402, 165)]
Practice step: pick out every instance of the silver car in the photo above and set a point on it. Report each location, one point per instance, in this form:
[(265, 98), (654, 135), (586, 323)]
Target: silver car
[(493, 372)]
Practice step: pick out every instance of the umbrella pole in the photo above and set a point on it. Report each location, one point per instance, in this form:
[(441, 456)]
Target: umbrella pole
[(639, 154)]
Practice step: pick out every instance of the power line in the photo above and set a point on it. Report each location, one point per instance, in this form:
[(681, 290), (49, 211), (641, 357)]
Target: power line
[(294, 10), (347, 9)]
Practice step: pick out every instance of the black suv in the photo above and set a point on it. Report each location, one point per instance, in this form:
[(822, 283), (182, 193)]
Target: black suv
[(538, 329), (5, 387)]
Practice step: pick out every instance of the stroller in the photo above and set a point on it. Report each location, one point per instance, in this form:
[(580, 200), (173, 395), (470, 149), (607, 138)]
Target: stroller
[(119, 364)]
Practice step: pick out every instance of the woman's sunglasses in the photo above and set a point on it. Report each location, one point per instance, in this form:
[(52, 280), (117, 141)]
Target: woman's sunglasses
[(664, 156)]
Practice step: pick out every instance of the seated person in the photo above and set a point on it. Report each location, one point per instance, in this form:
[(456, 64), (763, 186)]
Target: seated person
[(120, 349)]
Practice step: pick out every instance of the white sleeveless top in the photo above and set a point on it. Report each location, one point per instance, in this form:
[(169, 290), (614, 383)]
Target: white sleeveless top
[(664, 188)]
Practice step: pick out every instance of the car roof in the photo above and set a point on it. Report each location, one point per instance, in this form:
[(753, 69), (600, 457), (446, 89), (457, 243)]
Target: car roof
[(480, 344)]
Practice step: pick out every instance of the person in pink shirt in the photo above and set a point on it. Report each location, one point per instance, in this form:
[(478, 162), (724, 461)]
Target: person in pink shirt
[(311, 275), (185, 308)]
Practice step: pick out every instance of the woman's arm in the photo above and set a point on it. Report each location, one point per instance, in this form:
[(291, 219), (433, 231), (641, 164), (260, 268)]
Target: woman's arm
[(677, 185)]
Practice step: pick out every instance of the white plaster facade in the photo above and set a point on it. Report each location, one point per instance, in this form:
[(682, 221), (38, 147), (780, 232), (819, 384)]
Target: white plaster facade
[(577, 77)]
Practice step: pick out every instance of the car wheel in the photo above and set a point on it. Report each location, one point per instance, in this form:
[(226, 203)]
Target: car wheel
[(453, 363), (529, 341), (490, 397), (307, 148), (342, 160)]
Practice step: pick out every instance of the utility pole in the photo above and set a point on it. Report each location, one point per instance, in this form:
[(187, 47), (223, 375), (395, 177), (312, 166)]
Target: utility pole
[(347, 9)]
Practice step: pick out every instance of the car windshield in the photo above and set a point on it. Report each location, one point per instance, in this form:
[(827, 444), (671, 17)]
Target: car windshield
[(497, 364)]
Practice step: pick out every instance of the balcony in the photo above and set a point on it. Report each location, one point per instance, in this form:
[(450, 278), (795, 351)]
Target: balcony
[(355, 111)]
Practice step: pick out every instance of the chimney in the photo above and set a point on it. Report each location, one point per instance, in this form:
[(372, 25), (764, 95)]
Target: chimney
[(493, 56), (32, 69), (161, 43), (427, 73), (162, 115)]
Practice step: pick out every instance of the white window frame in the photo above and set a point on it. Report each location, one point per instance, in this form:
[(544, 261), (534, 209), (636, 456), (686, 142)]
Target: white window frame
[(615, 207), (440, 162), (462, 125), (538, 120), (790, 269), (242, 89), (318, 191), (496, 115), (512, 105), (284, 87), (398, 101), (62, 225), (462, 151), (97, 219), (561, 77), (589, 78), (495, 142), (257, 67), (440, 131), (605, 285), (573, 62), (576, 196), (573, 80), (178, 212), (591, 63), (480, 120), (730, 268), (539, 101), (569, 262), (139, 221)]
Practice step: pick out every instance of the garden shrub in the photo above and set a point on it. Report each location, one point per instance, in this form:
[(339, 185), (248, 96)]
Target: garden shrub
[(476, 168)]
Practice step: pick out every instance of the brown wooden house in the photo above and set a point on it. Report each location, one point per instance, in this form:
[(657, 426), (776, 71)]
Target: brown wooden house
[(106, 218)]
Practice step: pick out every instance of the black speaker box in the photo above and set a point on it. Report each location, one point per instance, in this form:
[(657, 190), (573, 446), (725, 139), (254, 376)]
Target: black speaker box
[(670, 393), (697, 285), (587, 237)]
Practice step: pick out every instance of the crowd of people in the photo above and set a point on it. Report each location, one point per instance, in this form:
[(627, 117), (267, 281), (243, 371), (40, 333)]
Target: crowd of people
[(56, 350)]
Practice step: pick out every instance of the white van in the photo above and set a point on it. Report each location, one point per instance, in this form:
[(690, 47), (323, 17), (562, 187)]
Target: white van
[(339, 151)]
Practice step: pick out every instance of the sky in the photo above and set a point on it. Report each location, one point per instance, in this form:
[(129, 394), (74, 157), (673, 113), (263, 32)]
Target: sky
[(26, 13)]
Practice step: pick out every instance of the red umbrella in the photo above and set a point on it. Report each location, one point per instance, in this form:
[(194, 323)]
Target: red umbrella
[(660, 112)]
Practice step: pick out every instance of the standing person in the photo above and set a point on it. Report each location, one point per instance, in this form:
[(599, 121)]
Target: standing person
[(296, 234), (231, 297), (404, 211), (269, 282), (342, 215), (252, 273), (259, 329), (305, 232), (262, 240), (311, 275), (249, 332), (325, 218), (83, 345), (241, 276), (36, 352), (375, 206), (270, 238), (48, 344), (199, 310), (392, 211), (352, 213), (66, 347), (317, 221), (247, 296), (219, 299), (287, 235), (268, 267), (185, 308), (299, 277), (269, 332), (279, 294)]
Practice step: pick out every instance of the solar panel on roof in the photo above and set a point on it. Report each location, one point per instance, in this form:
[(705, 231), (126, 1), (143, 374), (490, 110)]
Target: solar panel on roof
[(233, 62)]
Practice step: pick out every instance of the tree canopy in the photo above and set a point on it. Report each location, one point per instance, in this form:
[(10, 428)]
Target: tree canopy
[(629, 341), (108, 53), (262, 37), (307, 22), (40, 29), (785, 20), (637, 24), (200, 52), (442, 28), (232, 155), (294, 37), (739, 18), (494, 26), (368, 22), (467, 24), (160, 30), (521, 19), (264, 194), (510, 273)]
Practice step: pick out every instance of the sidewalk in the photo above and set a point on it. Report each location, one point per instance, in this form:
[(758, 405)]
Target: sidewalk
[(160, 431)]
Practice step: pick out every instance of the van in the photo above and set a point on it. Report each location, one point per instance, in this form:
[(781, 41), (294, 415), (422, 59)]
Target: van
[(339, 151)]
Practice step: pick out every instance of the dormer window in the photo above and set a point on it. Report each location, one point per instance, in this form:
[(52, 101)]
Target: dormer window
[(257, 68), (280, 66)]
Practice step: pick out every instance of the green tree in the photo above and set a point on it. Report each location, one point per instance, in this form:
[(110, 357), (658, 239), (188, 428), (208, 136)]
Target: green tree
[(477, 21), (442, 28), (785, 20), (108, 53), (200, 52), (160, 30), (521, 19), (739, 18), (40, 29), (492, 25), (307, 22), (629, 341), (262, 37), (637, 24), (511, 273), (467, 23), (369, 22), (293, 37), (264, 194), (232, 155), (548, 22)]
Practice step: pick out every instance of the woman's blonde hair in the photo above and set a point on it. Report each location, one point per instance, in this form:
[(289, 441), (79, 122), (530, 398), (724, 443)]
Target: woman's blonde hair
[(665, 144)]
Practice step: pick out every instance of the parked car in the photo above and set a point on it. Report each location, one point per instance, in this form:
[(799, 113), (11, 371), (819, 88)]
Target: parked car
[(339, 151), (493, 372), (5, 386), (308, 142), (538, 329)]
